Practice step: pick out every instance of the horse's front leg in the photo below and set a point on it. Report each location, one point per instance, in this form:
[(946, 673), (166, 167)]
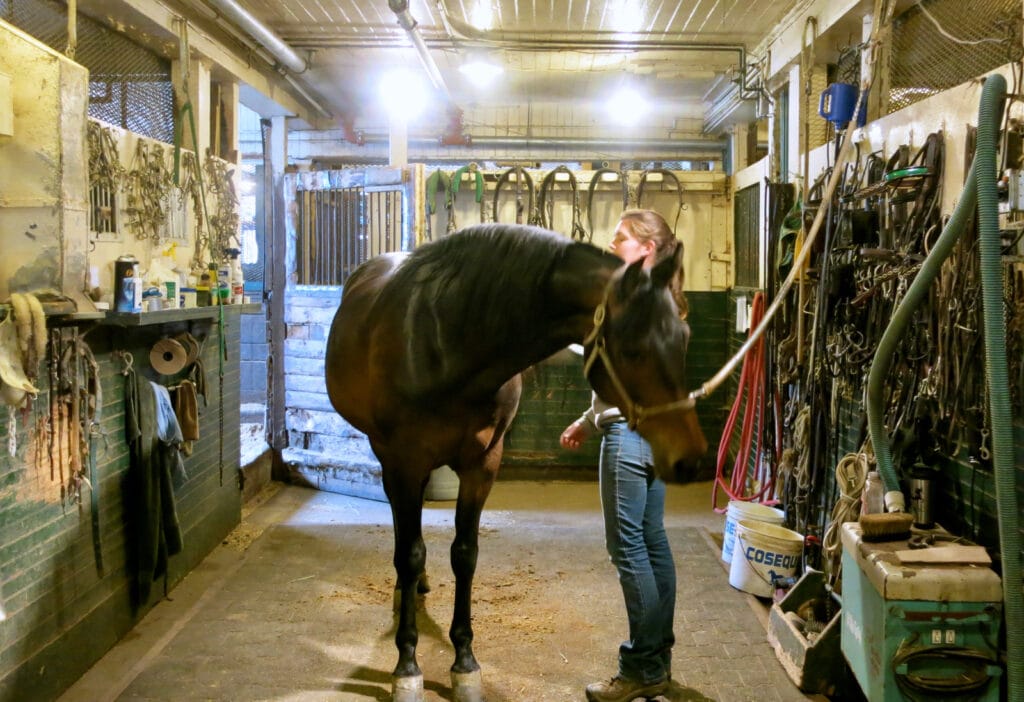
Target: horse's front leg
[(474, 487), (410, 557)]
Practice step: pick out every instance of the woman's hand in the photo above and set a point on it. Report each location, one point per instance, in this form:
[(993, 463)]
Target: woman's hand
[(574, 435)]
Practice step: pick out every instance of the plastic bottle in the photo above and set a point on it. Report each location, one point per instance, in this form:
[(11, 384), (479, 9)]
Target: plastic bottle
[(237, 280), (873, 496)]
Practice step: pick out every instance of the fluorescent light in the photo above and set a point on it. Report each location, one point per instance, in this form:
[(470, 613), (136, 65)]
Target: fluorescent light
[(624, 16), (402, 94), (481, 73), (482, 16), (627, 106)]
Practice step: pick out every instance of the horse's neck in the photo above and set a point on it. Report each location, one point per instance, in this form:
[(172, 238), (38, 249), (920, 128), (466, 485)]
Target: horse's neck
[(576, 287)]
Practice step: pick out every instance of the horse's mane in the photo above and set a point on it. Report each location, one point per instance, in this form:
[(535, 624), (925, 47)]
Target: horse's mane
[(468, 293)]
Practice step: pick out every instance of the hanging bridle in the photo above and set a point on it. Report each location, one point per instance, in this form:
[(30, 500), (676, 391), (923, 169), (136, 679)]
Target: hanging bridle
[(634, 411)]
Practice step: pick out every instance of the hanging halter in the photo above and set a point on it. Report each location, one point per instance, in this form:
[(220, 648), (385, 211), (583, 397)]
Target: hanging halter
[(439, 179), (522, 177), (634, 411), (666, 175), (478, 177), (545, 206), (595, 180)]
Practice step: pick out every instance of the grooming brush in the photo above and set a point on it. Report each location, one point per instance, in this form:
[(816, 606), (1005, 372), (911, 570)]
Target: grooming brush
[(886, 526)]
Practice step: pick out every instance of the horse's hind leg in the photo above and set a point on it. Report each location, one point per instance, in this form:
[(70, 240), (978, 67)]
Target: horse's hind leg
[(410, 557), (474, 487)]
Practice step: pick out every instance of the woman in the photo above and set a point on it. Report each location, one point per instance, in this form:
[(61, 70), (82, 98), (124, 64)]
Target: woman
[(633, 503)]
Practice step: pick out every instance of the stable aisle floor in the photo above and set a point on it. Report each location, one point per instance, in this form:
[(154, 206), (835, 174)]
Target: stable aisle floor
[(296, 605)]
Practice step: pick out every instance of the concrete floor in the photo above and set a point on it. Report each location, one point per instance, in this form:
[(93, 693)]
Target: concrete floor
[(296, 605)]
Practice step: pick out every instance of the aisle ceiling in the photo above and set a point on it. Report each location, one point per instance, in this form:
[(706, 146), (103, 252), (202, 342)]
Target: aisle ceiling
[(555, 54), (555, 51)]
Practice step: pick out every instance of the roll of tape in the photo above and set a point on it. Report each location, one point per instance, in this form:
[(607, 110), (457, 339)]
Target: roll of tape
[(168, 357)]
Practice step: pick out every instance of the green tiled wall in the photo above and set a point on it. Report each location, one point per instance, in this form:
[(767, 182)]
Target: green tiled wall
[(61, 614), (555, 393)]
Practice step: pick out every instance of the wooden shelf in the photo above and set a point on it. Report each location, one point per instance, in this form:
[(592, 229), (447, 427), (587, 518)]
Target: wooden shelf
[(142, 319), (181, 314)]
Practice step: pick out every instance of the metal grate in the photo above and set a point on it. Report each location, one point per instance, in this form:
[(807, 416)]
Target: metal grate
[(339, 228), (747, 215), (384, 220), (102, 210), (129, 86), (938, 44), (847, 69), (331, 238)]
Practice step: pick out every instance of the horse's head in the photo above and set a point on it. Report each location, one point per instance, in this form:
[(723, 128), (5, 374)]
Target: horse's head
[(636, 359)]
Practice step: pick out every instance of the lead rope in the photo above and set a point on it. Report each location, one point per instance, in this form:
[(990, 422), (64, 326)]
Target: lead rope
[(883, 14)]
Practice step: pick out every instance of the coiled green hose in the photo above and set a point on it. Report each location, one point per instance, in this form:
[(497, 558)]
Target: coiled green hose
[(979, 189)]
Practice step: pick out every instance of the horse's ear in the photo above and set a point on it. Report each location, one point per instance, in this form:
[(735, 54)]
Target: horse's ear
[(666, 269), (631, 279)]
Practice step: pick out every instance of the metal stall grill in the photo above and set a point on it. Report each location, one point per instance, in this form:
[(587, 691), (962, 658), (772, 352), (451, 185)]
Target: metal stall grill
[(331, 236), (339, 228), (384, 220), (129, 86), (938, 44)]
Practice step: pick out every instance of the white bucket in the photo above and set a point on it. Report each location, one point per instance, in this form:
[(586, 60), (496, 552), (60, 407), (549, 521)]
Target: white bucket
[(443, 485), (761, 553), (750, 511)]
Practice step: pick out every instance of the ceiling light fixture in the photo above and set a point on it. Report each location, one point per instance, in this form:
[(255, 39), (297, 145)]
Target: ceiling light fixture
[(482, 16), (402, 94), (624, 16), (627, 106), (481, 72)]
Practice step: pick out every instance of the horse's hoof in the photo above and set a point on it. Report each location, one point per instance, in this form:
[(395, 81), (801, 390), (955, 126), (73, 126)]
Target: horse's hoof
[(408, 688), (467, 686)]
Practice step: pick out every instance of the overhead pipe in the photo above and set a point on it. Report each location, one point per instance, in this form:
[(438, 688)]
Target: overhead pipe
[(409, 24), (652, 145), (284, 54), (523, 40)]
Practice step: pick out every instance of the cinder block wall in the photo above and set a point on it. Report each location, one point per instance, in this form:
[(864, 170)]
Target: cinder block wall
[(62, 615), (324, 451), (253, 359)]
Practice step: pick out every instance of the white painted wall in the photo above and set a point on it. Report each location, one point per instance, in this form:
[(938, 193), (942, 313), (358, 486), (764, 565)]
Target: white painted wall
[(42, 169), (178, 238)]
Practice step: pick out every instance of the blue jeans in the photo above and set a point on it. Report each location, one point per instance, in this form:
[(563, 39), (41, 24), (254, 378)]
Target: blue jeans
[(633, 502)]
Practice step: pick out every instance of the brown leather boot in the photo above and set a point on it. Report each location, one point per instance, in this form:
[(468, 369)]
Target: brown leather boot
[(622, 690)]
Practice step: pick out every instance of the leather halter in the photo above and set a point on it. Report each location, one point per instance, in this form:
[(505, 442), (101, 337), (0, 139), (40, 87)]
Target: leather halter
[(523, 181), (546, 205), (595, 180), (666, 175), (635, 412)]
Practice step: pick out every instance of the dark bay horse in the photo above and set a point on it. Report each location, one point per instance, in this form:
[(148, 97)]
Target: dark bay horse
[(424, 356)]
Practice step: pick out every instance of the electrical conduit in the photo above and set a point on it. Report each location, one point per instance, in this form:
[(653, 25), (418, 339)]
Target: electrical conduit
[(979, 189)]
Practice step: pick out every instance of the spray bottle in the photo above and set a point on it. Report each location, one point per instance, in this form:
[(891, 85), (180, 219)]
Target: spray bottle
[(237, 279)]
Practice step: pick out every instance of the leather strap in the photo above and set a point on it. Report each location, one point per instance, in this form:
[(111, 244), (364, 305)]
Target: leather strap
[(545, 206), (595, 180), (667, 175), (522, 177)]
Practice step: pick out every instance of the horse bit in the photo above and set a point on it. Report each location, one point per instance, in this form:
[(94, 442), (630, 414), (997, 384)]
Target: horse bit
[(635, 412)]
